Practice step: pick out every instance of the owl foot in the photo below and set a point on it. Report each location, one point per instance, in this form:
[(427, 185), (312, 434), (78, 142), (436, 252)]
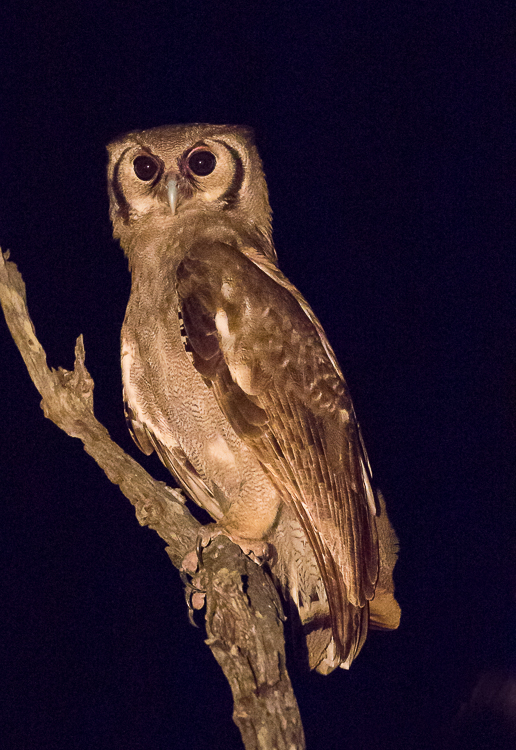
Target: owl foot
[(256, 550), (190, 574), (191, 566), (195, 596)]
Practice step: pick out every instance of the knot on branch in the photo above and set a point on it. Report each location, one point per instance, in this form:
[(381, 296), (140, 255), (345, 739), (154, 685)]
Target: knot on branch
[(78, 381)]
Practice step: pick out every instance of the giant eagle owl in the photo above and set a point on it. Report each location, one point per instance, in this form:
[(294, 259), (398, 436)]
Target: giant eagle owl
[(229, 376)]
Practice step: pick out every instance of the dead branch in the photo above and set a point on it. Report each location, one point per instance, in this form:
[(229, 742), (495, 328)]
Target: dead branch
[(243, 612)]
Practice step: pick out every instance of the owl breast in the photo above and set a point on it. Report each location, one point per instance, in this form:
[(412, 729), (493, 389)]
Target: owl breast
[(168, 397)]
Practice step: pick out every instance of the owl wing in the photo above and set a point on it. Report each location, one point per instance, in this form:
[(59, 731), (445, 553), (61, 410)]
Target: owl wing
[(260, 348), (176, 461)]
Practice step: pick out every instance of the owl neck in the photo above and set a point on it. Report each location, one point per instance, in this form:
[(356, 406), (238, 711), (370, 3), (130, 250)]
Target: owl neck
[(149, 243)]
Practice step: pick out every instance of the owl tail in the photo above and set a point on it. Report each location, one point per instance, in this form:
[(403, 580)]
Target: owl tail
[(295, 571), (382, 612), (322, 649), (385, 611)]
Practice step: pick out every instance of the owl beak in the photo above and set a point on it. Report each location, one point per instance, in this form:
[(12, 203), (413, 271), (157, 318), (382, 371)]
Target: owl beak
[(172, 194)]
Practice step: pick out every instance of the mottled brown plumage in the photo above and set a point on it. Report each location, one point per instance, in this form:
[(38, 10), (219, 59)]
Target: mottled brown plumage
[(229, 376)]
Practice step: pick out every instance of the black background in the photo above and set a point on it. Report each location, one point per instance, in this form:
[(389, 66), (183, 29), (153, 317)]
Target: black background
[(385, 132)]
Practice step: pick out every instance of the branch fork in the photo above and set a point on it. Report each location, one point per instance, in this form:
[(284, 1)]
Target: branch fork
[(243, 611)]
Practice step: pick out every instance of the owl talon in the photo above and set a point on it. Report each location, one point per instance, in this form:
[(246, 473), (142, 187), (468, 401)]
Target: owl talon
[(190, 563), (195, 599), (195, 596), (256, 550), (206, 535)]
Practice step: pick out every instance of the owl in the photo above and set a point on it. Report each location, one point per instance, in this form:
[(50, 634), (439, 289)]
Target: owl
[(229, 376)]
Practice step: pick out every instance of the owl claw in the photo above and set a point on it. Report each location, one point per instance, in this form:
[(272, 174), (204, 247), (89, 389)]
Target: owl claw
[(191, 565), (256, 550), (195, 596)]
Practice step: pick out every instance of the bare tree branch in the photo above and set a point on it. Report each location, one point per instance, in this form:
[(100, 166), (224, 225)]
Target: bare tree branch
[(243, 611)]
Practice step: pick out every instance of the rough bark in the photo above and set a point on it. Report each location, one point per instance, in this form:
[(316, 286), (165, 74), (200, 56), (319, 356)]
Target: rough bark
[(243, 611)]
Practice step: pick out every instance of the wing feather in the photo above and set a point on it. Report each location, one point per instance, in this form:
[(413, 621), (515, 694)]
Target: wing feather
[(176, 461), (260, 347)]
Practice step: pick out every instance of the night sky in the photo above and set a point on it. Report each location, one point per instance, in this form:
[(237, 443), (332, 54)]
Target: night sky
[(384, 128)]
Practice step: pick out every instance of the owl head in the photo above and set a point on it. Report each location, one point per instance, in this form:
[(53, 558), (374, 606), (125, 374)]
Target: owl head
[(158, 177)]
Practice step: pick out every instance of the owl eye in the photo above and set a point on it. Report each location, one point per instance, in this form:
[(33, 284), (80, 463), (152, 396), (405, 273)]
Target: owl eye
[(145, 167), (202, 163)]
